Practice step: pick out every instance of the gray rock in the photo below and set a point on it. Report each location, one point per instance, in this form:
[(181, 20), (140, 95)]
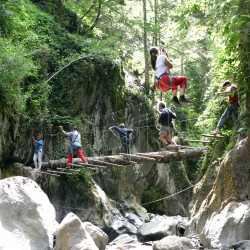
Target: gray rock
[(159, 228), (72, 235), (242, 245), (26, 215), (173, 243), (100, 238)]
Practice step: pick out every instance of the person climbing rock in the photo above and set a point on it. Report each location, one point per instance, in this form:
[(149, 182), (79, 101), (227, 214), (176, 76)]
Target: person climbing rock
[(163, 81), (232, 110), (165, 119), (76, 144), (124, 135), (38, 151)]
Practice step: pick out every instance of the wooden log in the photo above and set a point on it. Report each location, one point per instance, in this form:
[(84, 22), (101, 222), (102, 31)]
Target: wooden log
[(80, 166), (138, 157), (151, 155), (213, 136), (123, 160), (107, 163), (41, 172), (179, 146), (58, 172), (188, 140), (91, 165)]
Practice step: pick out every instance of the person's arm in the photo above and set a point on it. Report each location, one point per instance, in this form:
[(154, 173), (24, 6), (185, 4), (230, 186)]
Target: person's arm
[(226, 92), (168, 63), (34, 140), (158, 112), (173, 114), (232, 77), (62, 131)]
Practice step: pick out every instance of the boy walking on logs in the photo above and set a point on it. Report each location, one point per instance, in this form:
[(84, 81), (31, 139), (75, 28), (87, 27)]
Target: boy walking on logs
[(232, 110), (124, 135), (76, 144), (165, 119)]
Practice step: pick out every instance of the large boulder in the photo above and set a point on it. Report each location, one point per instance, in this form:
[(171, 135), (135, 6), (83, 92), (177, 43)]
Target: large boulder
[(160, 227), (173, 243), (72, 234), (100, 238), (27, 218), (223, 217)]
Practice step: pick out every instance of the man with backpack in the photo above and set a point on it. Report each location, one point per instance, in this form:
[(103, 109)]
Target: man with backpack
[(76, 144), (165, 119)]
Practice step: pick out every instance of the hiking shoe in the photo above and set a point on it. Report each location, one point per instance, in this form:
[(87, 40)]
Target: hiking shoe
[(217, 131), (184, 99), (175, 101)]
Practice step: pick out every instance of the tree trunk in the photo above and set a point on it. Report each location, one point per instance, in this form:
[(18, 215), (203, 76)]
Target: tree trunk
[(145, 47)]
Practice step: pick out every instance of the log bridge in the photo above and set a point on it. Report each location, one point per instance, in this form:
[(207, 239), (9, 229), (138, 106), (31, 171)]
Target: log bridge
[(180, 153)]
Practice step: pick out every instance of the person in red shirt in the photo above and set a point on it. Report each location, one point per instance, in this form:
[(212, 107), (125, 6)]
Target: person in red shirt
[(232, 110)]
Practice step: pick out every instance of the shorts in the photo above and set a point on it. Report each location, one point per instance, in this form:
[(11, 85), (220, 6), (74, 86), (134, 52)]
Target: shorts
[(171, 82), (166, 130)]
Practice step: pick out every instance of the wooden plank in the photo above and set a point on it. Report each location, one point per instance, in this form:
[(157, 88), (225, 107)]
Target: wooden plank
[(123, 160), (188, 140), (179, 146), (173, 150), (107, 163), (79, 166), (58, 172), (41, 172), (91, 165), (213, 136), (138, 157), (153, 156)]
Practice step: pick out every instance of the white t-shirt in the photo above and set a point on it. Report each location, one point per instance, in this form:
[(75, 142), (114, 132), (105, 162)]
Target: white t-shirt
[(160, 66), (76, 138)]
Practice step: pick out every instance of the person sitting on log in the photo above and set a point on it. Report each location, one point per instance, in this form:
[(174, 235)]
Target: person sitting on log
[(232, 110), (76, 144), (38, 152), (165, 119), (124, 135), (163, 81)]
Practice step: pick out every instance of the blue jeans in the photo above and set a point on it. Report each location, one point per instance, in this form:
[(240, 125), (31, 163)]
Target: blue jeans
[(125, 146), (232, 110)]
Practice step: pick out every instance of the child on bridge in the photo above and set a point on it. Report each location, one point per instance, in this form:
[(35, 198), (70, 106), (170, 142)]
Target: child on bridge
[(38, 153)]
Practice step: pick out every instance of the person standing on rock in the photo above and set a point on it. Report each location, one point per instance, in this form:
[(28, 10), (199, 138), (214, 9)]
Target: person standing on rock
[(165, 119), (163, 81), (232, 110), (38, 151), (124, 135), (76, 144)]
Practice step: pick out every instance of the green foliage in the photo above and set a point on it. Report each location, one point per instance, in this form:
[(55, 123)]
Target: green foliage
[(152, 194)]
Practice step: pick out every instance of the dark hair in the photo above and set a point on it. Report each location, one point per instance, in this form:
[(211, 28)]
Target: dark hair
[(227, 82), (122, 125), (153, 51), (74, 128), (162, 104), (40, 134)]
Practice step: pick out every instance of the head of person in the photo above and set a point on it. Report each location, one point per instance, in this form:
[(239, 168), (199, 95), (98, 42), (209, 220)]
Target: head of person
[(161, 105), (122, 125), (74, 128), (39, 136), (226, 84), (154, 51)]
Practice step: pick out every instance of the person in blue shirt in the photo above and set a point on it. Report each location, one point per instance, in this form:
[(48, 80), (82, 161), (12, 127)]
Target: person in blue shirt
[(165, 119), (38, 151), (124, 135)]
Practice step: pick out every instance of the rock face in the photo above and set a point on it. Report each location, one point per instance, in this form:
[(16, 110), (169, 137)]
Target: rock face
[(159, 228), (173, 243), (73, 234), (224, 216), (27, 218)]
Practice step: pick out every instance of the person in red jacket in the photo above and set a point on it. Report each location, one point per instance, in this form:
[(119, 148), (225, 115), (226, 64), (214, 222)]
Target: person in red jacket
[(232, 110), (163, 81)]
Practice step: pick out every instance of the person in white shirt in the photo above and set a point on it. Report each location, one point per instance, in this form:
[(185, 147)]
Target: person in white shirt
[(76, 144), (163, 81)]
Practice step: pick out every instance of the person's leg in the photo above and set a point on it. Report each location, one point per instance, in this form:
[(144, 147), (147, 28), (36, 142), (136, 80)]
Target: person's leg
[(124, 146), (40, 154), (71, 154), (224, 117), (35, 160), (169, 138), (235, 117), (162, 138), (182, 82), (80, 153)]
